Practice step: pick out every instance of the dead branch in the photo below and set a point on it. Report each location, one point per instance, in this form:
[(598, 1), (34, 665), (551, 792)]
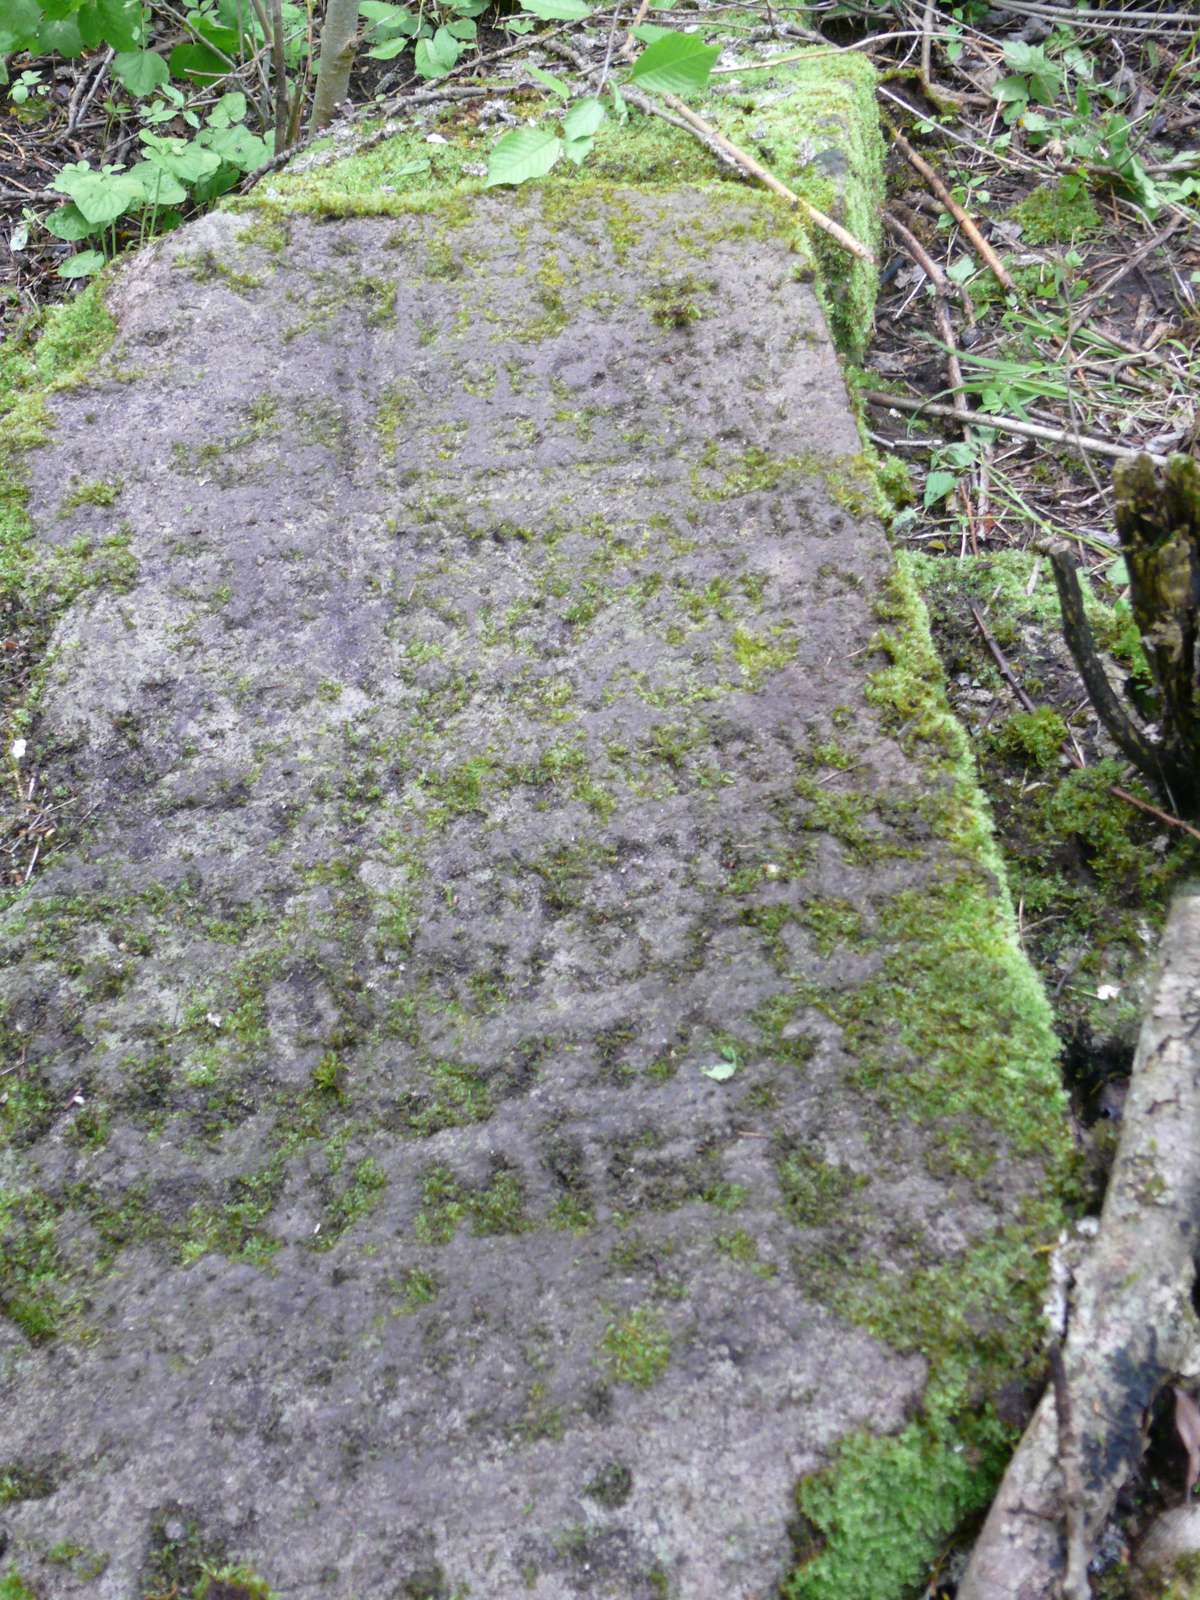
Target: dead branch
[(1017, 425), (1131, 1326), (964, 220)]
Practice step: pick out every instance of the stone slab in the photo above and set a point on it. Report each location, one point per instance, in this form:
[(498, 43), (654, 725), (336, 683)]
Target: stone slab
[(472, 1077)]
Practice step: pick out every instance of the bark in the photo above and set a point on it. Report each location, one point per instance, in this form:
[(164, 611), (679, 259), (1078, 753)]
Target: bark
[(1131, 1327), (338, 38)]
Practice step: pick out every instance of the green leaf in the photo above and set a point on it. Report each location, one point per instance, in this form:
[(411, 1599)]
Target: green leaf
[(119, 23), (208, 29), (184, 159), (465, 29), (577, 150), (961, 269), (434, 57), (410, 168), (549, 81), (937, 486), (197, 62), (386, 20), (216, 183), (239, 15), (557, 10), (1045, 76), (68, 222), (230, 108), (720, 1071), (518, 24), (677, 63), (141, 71), (388, 49), (84, 265), (583, 119), (650, 32), (522, 154), (620, 109), (19, 25), (238, 146), (60, 37), (101, 196), (159, 187)]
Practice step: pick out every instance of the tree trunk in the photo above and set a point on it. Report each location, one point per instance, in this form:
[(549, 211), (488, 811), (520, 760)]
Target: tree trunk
[(338, 38)]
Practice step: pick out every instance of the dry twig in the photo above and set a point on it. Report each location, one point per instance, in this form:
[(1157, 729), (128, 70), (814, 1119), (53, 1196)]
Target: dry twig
[(755, 169), (1027, 430), (965, 222)]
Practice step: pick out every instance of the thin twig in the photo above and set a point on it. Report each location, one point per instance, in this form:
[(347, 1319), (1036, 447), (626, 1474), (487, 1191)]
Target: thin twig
[(913, 247), (965, 222), (80, 100), (630, 44), (768, 179), (1026, 430)]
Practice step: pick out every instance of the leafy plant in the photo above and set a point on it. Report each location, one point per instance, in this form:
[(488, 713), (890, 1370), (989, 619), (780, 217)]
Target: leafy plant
[(172, 171), (672, 63)]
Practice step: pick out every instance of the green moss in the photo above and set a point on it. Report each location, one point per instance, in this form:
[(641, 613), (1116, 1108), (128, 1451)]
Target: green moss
[(266, 234), (869, 1528), (236, 1582), (14, 1587), (453, 1094), (757, 657), (32, 1270), (611, 1486), (636, 1347), (955, 993), (100, 492), (235, 1229), (355, 1200), (1035, 737), (813, 121), (871, 1524), (46, 354), (497, 1207), (742, 1247), (1179, 1580), (1057, 213), (18, 1482), (84, 1564), (830, 923), (815, 1192), (413, 1289)]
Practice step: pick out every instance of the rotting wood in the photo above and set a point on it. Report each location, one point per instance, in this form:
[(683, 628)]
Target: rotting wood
[(1131, 1328)]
